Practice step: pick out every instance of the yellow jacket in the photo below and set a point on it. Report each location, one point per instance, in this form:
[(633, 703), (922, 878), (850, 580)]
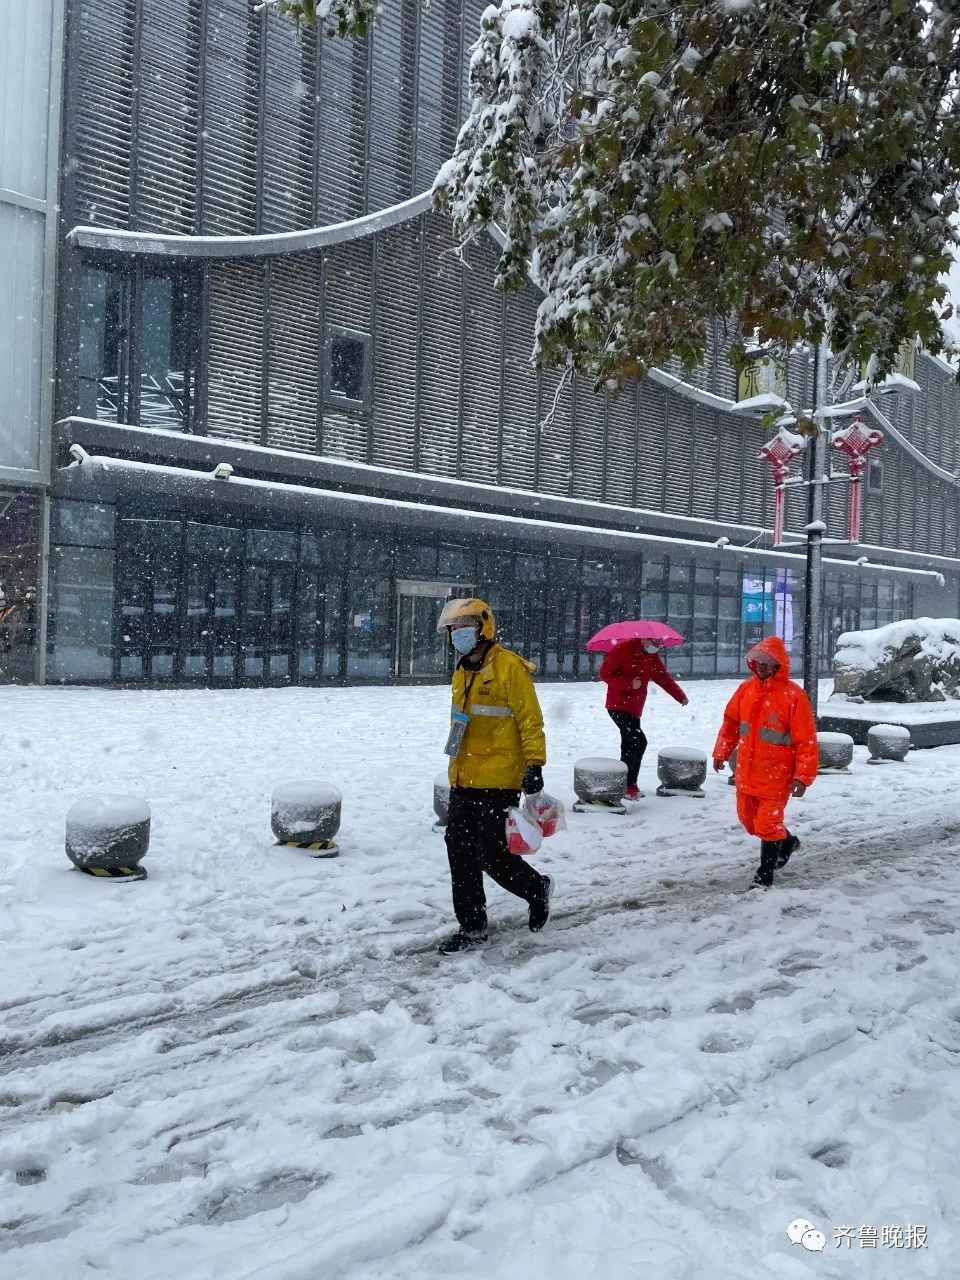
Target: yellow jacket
[(505, 732)]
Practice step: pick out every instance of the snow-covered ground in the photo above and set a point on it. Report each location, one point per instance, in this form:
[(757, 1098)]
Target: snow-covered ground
[(256, 1065)]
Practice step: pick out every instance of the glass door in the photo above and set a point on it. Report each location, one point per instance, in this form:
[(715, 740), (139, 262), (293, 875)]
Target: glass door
[(420, 650)]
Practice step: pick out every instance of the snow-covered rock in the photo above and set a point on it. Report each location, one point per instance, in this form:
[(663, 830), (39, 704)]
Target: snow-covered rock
[(106, 832), (305, 812), (681, 769), (888, 741), (599, 779), (917, 660), (836, 750)]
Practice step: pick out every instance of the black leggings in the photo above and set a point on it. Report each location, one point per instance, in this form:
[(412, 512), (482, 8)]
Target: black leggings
[(633, 742)]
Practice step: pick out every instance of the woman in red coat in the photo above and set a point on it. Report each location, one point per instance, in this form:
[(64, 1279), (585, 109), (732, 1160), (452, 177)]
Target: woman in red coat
[(627, 670)]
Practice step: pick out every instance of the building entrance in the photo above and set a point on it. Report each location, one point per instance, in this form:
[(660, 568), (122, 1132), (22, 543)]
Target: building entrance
[(420, 650)]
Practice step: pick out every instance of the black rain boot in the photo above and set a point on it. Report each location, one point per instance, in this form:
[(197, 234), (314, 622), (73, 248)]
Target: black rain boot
[(788, 846), (462, 940), (769, 852)]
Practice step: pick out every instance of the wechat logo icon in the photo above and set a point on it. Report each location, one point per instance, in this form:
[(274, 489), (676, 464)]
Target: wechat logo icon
[(802, 1232)]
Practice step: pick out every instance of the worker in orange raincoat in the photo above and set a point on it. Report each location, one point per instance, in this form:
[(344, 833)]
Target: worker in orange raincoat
[(770, 723)]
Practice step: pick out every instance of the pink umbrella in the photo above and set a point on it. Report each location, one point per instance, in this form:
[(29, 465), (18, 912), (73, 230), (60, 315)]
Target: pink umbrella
[(615, 633)]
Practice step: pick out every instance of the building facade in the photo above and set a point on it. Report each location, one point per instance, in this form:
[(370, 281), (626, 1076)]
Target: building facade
[(291, 418)]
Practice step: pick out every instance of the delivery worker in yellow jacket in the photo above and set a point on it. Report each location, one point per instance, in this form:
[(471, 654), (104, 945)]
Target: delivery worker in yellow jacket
[(496, 747)]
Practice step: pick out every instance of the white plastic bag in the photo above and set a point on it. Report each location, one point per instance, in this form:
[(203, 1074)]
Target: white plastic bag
[(548, 811), (523, 832)]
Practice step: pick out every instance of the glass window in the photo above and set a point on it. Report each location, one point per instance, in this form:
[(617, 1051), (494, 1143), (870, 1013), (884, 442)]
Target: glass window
[(101, 347), (875, 475), (79, 641), (530, 568), (271, 544), (681, 573), (599, 573), (456, 562), (729, 582), (417, 562), (83, 524), (654, 575), (19, 579), (728, 635), (147, 593), (167, 308), (346, 366), (370, 638), (213, 540)]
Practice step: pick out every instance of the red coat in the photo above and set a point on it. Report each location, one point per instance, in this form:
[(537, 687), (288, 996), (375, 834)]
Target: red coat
[(622, 665), (770, 723)]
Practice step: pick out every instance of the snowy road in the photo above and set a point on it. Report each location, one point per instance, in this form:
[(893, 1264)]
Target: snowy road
[(255, 1065)]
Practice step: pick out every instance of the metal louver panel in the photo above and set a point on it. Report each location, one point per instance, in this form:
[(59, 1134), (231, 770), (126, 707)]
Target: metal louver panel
[(167, 123), (835, 499), (235, 352), (294, 353), (706, 462), (453, 108), (950, 547), (349, 285), (340, 161), (519, 392), (622, 447), (391, 120), (441, 352), (347, 293), (756, 475), (891, 491), (651, 445), (230, 118), (556, 436), (482, 364), (288, 127), (429, 95), (589, 442), (679, 454), (103, 100), (729, 468), (908, 502), (395, 347), (922, 518)]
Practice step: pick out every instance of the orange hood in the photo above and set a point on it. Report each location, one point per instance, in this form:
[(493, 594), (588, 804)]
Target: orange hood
[(774, 648)]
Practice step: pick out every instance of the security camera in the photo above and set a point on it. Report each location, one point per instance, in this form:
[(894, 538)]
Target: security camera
[(79, 454), (722, 542), (222, 471), (861, 562)]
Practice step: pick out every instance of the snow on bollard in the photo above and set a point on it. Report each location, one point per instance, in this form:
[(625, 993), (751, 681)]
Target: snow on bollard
[(441, 800), (599, 782), (682, 771), (888, 742), (306, 815), (836, 752), (107, 836)]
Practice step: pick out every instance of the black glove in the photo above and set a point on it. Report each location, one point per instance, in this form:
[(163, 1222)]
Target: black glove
[(533, 779)]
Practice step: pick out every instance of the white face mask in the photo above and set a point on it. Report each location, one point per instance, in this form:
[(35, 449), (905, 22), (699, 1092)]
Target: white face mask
[(463, 639), (651, 648)]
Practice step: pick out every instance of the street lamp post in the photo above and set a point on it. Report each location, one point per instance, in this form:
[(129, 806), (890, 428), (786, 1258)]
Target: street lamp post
[(815, 529)]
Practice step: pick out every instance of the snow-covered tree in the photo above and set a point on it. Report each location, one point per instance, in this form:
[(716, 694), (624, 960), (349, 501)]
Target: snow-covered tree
[(791, 165)]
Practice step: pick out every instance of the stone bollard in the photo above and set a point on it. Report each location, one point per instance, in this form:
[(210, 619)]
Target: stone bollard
[(306, 815), (599, 782), (107, 836), (732, 762), (836, 752), (888, 742), (441, 800), (682, 772)]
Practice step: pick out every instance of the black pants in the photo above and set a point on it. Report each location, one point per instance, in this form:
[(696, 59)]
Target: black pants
[(476, 839), (633, 742)]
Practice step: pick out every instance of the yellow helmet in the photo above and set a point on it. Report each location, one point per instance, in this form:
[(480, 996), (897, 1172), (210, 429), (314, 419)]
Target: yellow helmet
[(466, 613)]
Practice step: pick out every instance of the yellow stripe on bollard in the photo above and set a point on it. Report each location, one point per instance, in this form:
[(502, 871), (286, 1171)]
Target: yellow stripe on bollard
[(319, 847)]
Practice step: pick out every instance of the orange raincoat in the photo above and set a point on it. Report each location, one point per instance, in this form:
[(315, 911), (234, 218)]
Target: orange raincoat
[(770, 724)]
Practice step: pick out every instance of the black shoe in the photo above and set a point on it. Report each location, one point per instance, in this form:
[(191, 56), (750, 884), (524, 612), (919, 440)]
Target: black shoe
[(790, 844), (540, 906), (462, 940), (762, 879)]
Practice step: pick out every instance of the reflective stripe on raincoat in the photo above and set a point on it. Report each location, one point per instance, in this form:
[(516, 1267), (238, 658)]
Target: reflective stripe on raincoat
[(770, 724), (505, 733)]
